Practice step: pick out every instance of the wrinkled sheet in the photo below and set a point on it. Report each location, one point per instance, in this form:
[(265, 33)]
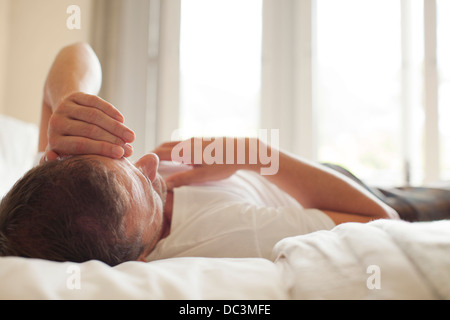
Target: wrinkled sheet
[(179, 279), (379, 260), (384, 259)]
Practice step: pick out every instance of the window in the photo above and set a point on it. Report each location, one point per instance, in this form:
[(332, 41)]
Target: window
[(364, 84), (369, 55), (220, 67), (358, 92)]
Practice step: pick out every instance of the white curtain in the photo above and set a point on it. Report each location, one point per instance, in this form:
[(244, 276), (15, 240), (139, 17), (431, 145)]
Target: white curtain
[(287, 74), (137, 44)]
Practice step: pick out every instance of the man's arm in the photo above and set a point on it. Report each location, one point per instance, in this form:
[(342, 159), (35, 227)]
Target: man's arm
[(316, 186), (312, 185), (74, 119)]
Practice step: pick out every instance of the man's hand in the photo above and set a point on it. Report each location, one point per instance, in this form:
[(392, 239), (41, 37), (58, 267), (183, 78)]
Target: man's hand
[(211, 159), (86, 124)]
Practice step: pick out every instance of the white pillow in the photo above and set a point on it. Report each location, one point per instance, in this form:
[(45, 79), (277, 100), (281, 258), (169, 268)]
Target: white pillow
[(18, 149), (177, 278)]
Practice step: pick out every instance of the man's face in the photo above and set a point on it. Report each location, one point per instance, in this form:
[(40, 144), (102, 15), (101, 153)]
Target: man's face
[(147, 192)]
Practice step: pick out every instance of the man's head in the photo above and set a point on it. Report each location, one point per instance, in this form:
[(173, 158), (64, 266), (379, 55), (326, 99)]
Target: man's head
[(83, 208)]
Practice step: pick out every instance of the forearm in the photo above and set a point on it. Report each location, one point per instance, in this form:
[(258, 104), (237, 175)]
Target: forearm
[(75, 69), (316, 186)]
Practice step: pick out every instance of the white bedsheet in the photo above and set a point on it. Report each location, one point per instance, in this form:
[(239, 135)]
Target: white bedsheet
[(181, 278), (413, 262), (384, 259), (18, 148)]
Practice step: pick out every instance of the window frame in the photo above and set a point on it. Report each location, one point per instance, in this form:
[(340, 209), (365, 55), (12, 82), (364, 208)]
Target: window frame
[(289, 82)]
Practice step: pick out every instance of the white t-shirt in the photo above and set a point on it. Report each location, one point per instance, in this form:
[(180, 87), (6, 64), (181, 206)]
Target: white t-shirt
[(241, 217)]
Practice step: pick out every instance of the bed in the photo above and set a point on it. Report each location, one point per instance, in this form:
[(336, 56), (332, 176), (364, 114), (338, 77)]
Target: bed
[(379, 260), (18, 145)]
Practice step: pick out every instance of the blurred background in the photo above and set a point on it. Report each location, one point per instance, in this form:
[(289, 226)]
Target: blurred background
[(361, 83)]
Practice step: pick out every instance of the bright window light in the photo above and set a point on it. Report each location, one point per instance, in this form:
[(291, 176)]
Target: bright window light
[(220, 67), (359, 88)]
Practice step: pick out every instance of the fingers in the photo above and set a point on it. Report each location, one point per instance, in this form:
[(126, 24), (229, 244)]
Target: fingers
[(185, 178), (164, 151), (94, 116), (86, 130), (71, 145), (200, 174), (87, 124), (80, 147), (180, 151), (98, 103)]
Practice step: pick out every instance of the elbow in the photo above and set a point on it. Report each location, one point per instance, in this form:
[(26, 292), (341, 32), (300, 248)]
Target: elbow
[(77, 46), (382, 211)]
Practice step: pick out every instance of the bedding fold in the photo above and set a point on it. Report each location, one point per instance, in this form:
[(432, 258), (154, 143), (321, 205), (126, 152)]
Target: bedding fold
[(384, 259)]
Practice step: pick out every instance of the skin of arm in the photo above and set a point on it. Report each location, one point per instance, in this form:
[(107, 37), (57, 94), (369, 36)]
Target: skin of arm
[(74, 120), (316, 186), (312, 185)]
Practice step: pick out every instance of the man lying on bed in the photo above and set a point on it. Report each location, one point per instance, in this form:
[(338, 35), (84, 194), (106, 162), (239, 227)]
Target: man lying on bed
[(86, 200)]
